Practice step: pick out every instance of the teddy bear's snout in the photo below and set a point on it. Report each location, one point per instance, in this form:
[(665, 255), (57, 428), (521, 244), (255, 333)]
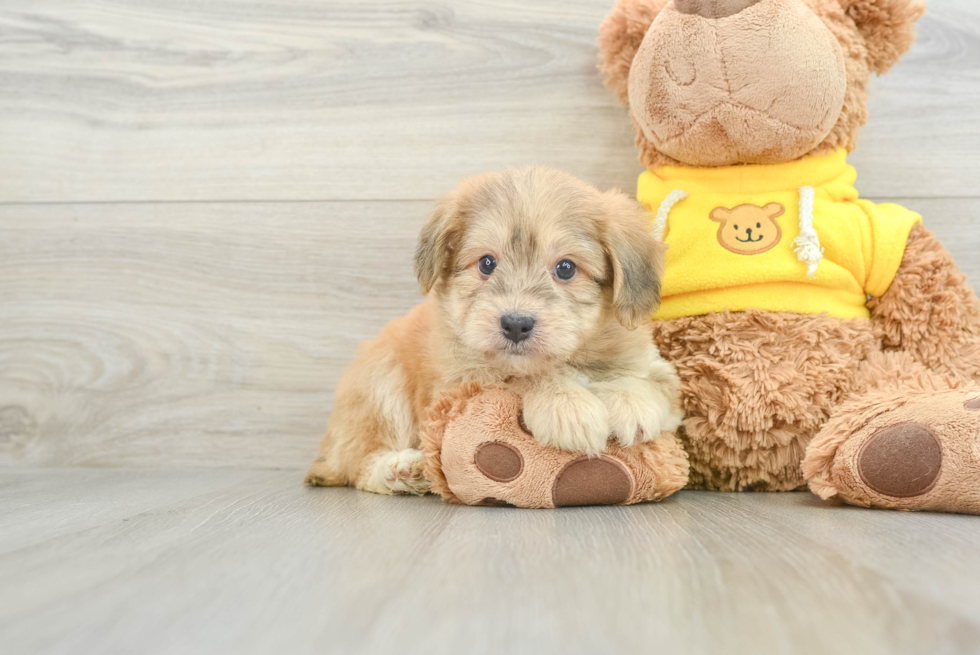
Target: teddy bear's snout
[(721, 82), (713, 8)]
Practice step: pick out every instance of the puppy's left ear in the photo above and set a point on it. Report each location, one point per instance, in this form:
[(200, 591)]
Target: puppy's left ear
[(888, 28), (437, 241), (637, 260)]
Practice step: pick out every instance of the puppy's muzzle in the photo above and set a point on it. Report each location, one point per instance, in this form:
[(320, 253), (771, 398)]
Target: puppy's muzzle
[(517, 327)]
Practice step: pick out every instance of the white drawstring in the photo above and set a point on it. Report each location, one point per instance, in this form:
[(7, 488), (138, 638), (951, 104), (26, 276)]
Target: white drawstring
[(660, 222), (807, 245)]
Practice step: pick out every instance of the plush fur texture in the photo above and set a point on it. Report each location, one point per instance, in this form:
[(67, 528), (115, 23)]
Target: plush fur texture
[(582, 367), (886, 411), (928, 323), (887, 29), (756, 387), (871, 34), (697, 105), (713, 8), (930, 311), (901, 391), (470, 416)]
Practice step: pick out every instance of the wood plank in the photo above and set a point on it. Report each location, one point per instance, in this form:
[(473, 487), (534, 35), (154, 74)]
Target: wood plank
[(189, 334), (249, 99), (384, 99), (923, 133), (213, 334), (252, 562), (44, 505)]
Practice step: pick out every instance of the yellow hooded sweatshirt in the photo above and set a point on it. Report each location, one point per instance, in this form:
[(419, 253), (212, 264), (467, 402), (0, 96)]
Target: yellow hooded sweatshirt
[(788, 237)]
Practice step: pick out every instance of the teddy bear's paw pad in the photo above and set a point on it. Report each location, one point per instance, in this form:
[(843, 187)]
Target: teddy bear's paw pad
[(499, 461), (902, 460), (592, 481), (972, 405)]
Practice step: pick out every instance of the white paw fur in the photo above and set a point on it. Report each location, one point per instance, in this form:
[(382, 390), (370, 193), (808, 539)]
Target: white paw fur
[(397, 472), (639, 410), (568, 418)]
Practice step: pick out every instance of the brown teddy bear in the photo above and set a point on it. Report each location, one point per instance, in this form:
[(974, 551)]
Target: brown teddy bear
[(821, 339)]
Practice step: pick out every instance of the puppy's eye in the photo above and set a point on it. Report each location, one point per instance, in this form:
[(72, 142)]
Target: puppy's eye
[(565, 270), (486, 265), (736, 227), (758, 224)]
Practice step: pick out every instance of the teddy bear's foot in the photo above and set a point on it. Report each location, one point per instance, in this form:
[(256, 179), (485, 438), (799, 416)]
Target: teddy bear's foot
[(901, 450), (480, 453)]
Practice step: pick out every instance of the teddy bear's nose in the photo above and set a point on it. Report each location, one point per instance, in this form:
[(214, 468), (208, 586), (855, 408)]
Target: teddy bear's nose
[(713, 8)]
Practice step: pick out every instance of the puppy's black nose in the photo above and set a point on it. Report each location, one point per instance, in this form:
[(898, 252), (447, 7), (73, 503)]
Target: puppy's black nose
[(517, 327), (748, 231)]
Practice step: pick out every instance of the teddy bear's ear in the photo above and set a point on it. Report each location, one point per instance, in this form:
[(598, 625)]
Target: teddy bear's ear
[(720, 214), (437, 241), (774, 210), (888, 28), (620, 36)]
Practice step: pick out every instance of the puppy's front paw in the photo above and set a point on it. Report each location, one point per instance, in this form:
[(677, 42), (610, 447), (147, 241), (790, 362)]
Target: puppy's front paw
[(638, 410), (567, 419), (397, 472)]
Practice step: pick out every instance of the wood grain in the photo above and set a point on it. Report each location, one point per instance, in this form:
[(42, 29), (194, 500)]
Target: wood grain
[(252, 562), (212, 334), (114, 100), (204, 208), (189, 334), (250, 99)]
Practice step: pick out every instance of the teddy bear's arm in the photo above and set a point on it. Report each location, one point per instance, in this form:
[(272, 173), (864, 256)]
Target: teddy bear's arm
[(930, 311)]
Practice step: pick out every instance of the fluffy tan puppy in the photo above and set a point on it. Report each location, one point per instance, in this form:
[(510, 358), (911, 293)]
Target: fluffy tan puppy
[(535, 280)]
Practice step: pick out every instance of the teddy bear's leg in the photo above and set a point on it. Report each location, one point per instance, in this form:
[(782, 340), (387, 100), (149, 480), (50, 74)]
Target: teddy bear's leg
[(910, 440), (755, 387), (908, 437), (930, 311), (479, 452)]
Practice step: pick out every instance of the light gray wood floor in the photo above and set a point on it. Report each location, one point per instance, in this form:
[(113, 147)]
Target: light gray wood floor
[(232, 561), (205, 206)]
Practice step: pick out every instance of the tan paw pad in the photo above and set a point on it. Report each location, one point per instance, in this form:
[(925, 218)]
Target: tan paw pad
[(902, 460), (917, 452), (499, 461), (592, 481)]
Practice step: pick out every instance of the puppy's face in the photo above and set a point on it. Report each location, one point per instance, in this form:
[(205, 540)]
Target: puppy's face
[(528, 264)]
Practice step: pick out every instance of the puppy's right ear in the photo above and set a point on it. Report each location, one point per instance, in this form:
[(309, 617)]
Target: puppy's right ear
[(620, 36), (437, 241)]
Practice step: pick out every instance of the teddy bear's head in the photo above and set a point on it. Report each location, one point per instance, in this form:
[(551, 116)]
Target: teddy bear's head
[(722, 82)]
